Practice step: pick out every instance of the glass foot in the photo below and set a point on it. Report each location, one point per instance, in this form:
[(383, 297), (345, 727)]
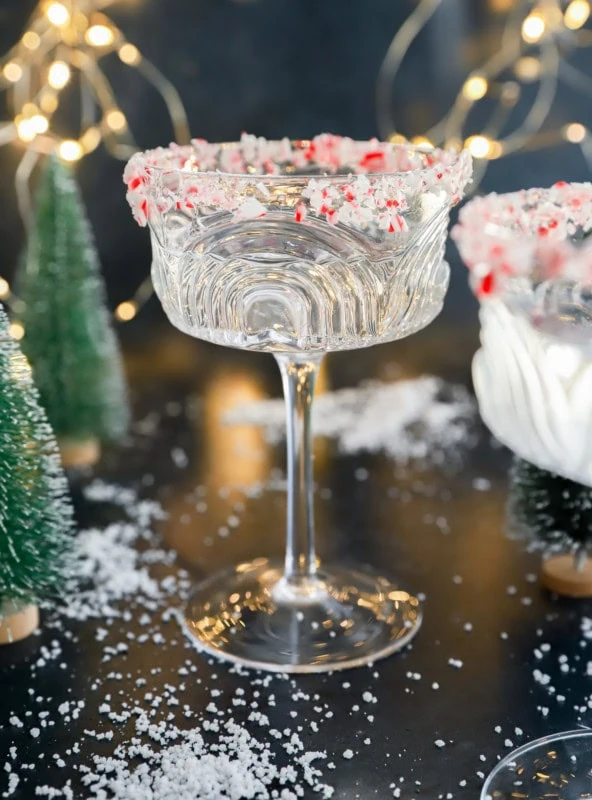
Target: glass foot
[(343, 618), (557, 766)]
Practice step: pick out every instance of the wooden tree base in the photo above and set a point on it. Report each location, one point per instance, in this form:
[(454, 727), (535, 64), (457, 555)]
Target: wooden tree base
[(15, 627), (559, 575), (80, 454)]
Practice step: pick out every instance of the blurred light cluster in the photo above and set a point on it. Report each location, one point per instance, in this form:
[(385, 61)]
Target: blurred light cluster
[(57, 65), (65, 42), (537, 41)]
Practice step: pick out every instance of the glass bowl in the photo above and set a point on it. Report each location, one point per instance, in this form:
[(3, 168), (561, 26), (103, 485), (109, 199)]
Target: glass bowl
[(531, 270)]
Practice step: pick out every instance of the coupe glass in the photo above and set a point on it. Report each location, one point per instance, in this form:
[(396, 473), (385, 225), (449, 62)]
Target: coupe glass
[(558, 766), (533, 276), (298, 249)]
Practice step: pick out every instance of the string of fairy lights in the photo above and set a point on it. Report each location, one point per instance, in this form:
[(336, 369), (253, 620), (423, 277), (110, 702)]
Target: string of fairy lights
[(61, 52), (537, 42), (65, 41)]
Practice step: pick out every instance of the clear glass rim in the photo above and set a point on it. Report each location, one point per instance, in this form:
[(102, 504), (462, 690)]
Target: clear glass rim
[(460, 155), (583, 733)]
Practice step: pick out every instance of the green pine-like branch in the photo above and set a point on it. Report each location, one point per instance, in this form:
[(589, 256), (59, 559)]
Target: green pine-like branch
[(549, 509), (36, 517), (69, 339)]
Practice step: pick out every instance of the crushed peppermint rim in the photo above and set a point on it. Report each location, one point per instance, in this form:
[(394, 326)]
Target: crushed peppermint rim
[(358, 183), (533, 234)]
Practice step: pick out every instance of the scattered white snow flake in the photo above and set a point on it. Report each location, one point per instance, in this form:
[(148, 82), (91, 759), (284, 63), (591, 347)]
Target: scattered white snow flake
[(13, 782), (440, 743), (541, 678), (455, 662), (179, 457), (348, 753)]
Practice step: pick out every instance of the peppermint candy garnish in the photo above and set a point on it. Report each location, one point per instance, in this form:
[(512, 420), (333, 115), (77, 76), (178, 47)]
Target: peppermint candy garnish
[(375, 179), (527, 234)]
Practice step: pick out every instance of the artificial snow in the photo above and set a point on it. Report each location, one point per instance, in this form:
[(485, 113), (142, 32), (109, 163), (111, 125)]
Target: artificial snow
[(420, 419), (162, 758)]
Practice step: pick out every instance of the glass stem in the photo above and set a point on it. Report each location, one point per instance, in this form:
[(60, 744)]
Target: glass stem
[(298, 377)]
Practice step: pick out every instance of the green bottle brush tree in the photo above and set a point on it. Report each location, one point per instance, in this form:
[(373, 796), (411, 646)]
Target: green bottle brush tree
[(69, 339), (36, 517), (555, 514)]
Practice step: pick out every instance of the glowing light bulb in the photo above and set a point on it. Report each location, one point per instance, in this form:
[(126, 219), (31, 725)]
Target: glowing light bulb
[(16, 330), (115, 119), (574, 133), (528, 68), (421, 141), (90, 139), (25, 129), (40, 123), (48, 101), (70, 150), (533, 27), (12, 71), (99, 35), (126, 311), (31, 40), (478, 146), (129, 54), (576, 14), (58, 75), (496, 149), (4, 288), (453, 143), (57, 14), (475, 87)]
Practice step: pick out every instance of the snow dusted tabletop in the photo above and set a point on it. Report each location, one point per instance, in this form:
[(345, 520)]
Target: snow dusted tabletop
[(111, 700)]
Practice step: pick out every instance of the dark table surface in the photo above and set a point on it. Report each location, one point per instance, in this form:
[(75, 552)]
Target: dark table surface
[(439, 529)]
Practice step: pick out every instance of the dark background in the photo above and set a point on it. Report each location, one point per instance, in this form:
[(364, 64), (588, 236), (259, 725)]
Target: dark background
[(280, 68)]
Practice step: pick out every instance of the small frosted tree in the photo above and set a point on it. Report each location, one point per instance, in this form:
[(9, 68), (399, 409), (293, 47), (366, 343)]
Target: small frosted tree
[(555, 514), (36, 517), (69, 339)]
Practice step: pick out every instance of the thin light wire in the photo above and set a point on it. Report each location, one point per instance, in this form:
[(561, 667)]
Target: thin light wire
[(550, 50), (406, 35), (33, 97)]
